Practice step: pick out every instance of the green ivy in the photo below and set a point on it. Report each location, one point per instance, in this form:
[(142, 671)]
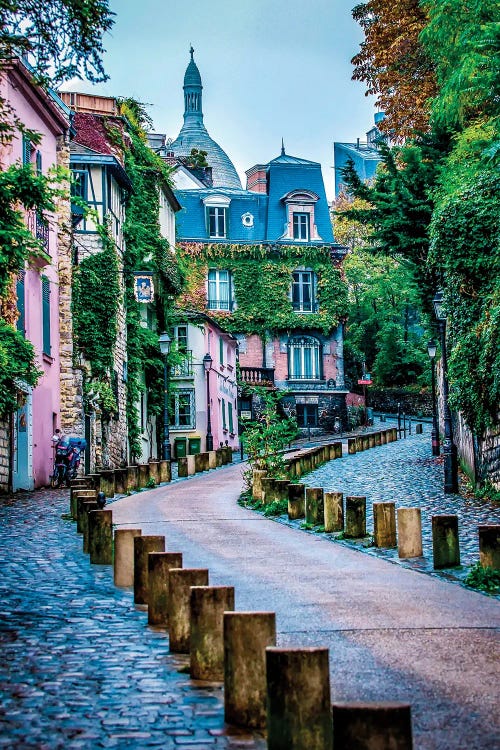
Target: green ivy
[(16, 364), (262, 278)]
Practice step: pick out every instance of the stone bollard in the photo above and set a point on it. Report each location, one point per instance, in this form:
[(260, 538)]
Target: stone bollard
[(132, 478), (384, 525), (108, 483), (159, 566), (355, 517), (143, 477), (378, 439), (95, 481), (298, 699), (165, 471), (212, 459), (207, 607), (489, 546), (315, 507), (80, 519), (180, 581), (366, 442), (121, 481), (154, 471), (143, 545), (182, 467), (334, 512), (268, 490), (297, 467), (246, 637), (229, 454), (394, 433), (371, 440), (101, 537), (257, 477), (445, 544), (296, 501), (351, 446), (409, 532), (372, 726), (338, 449), (200, 462), (123, 558), (219, 458), (80, 483), (191, 469), (306, 463), (383, 437), (87, 506), (281, 489), (74, 494), (418, 428)]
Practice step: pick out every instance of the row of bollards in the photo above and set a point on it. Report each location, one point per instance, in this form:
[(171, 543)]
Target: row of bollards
[(286, 690), (401, 528)]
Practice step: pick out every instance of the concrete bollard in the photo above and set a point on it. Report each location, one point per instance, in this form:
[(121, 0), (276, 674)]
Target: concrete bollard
[(281, 489), (229, 454), (359, 443), (201, 462), (409, 532), (351, 446), (378, 440), (74, 494), (355, 517), (338, 449), (296, 501), (372, 726), (95, 481), (334, 512), (298, 699), (159, 566), (383, 437), (445, 544), (268, 490), (315, 507), (154, 471), (143, 477), (219, 456), (182, 467), (132, 478), (246, 637), (165, 471), (80, 483), (418, 428), (371, 440), (101, 537), (306, 463), (80, 520), (191, 469), (123, 558), (257, 477), (366, 442), (207, 607), (120, 481), (108, 483), (87, 506), (180, 581), (143, 545), (489, 546), (394, 433), (212, 459), (332, 453), (384, 525)]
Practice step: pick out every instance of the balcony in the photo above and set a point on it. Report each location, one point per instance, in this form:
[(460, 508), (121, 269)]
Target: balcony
[(263, 376), (183, 369), (39, 228)]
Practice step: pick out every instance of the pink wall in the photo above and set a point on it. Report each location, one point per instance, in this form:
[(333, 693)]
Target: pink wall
[(38, 113), (223, 390)]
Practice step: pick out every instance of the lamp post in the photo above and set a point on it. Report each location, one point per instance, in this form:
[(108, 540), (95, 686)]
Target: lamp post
[(207, 364), (449, 448), (165, 340), (431, 349)]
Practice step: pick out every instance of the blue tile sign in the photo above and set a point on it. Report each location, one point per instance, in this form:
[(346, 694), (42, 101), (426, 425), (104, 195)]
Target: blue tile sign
[(144, 290)]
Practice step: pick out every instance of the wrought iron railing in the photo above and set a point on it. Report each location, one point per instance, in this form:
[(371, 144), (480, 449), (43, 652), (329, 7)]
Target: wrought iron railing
[(257, 375), (183, 369), (39, 227)]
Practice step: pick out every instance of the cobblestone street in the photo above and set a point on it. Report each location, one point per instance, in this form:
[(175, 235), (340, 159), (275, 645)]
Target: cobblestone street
[(80, 667)]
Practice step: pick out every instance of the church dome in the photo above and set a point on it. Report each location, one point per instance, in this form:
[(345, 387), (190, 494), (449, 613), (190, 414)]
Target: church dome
[(195, 135)]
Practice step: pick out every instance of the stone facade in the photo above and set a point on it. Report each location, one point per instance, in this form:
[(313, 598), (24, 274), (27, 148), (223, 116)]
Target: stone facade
[(4, 455)]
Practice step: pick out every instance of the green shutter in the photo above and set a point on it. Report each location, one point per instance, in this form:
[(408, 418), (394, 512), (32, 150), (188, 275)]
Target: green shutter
[(46, 315), (38, 163), (20, 324), (221, 350), (223, 405), (230, 415), (26, 150)]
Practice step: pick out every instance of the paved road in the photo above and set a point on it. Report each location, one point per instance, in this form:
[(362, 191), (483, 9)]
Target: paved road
[(393, 634)]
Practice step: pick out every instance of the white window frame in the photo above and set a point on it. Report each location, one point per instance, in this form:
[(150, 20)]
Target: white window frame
[(220, 301), (304, 358), (301, 222), (219, 216), (301, 306), (219, 204)]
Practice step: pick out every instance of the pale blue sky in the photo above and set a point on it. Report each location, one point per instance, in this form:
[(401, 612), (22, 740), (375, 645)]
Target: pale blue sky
[(270, 69)]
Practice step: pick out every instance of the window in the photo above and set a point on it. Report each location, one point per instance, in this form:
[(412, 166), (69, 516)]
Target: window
[(20, 324), (216, 221), (79, 184), (221, 350), (184, 367), (301, 226), (46, 316), (181, 335), (304, 291), (184, 409), (304, 362), (230, 416), (307, 415), (219, 290), (223, 409), (38, 163), (27, 150)]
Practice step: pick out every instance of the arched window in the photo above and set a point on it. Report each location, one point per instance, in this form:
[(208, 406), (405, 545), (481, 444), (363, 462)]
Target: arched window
[(304, 358)]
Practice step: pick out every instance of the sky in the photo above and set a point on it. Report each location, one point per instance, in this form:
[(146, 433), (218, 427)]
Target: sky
[(270, 69)]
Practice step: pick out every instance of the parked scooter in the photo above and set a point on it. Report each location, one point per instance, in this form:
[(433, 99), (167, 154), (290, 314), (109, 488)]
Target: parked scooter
[(68, 451)]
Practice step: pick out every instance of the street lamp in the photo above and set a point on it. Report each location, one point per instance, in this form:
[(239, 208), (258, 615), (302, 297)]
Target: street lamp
[(449, 448), (431, 349), (207, 364), (165, 340)]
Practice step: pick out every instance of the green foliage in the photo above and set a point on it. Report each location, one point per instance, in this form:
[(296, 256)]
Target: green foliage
[(262, 279), (483, 579), (276, 508), (16, 364), (197, 158), (269, 434), (150, 484)]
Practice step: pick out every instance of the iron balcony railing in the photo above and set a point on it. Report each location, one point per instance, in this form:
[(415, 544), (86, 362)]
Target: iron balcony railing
[(257, 375), (39, 227), (183, 369)]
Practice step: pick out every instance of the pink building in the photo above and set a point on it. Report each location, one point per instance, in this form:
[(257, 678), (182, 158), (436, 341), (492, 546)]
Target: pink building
[(37, 285)]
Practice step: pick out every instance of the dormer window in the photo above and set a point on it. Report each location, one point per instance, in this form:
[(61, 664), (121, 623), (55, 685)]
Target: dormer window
[(300, 217), (301, 226), (217, 210)]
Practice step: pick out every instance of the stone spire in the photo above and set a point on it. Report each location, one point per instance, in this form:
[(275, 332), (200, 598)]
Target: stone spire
[(192, 91)]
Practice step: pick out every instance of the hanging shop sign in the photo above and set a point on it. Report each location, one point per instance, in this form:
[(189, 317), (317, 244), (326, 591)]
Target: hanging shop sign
[(144, 289)]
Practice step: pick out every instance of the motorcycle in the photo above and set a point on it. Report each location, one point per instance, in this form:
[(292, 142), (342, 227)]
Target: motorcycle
[(68, 451)]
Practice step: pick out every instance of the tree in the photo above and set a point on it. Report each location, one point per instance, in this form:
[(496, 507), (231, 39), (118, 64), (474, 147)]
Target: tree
[(395, 65), (269, 434)]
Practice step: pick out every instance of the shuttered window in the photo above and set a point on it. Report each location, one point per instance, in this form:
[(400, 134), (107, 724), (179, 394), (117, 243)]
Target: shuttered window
[(46, 316), (21, 322), (26, 150)]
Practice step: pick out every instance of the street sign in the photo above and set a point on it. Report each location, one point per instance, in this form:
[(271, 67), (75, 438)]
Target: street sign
[(365, 382)]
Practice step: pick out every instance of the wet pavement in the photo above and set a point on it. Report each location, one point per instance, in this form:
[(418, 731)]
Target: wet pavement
[(80, 668)]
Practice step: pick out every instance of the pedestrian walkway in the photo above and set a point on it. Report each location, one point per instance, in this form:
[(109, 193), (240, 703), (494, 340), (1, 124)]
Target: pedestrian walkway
[(80, 668)]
